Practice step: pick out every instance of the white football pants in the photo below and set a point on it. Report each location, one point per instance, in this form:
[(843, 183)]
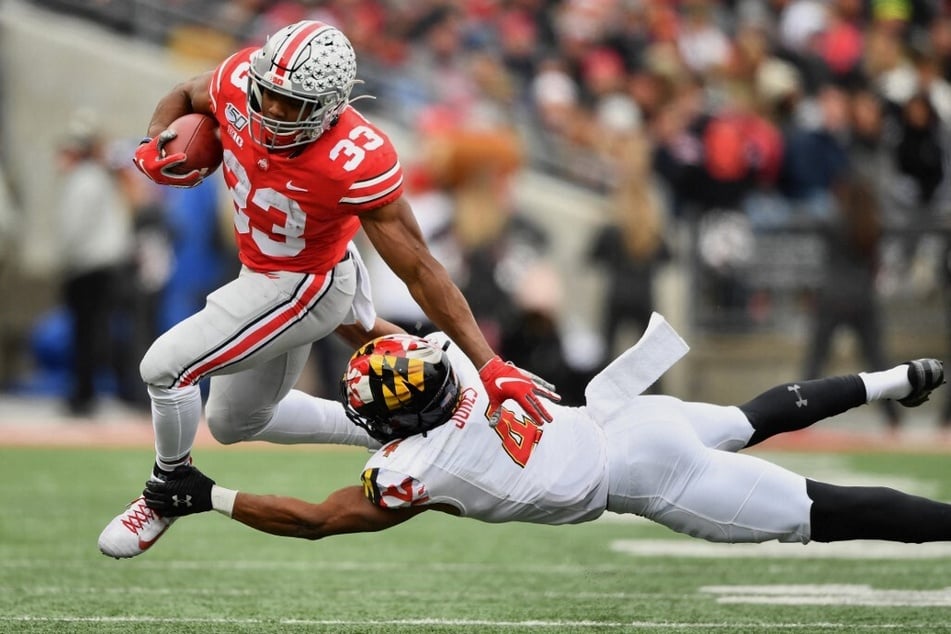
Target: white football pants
[(253, 337), (672, 461)]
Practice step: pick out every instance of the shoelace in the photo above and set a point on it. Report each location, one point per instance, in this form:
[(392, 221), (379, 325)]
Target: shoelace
[(138, 516)]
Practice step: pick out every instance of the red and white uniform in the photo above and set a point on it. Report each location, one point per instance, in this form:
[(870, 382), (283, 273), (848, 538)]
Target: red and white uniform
[(297, 210), (659, 457), (295, 213)]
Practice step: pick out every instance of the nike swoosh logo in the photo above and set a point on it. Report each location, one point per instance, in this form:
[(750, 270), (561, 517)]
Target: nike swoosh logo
[(295, 188), (145, 544), (499, 382)]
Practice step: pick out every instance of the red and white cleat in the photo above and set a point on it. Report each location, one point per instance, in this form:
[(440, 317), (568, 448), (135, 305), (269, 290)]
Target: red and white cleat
[(133, 531)]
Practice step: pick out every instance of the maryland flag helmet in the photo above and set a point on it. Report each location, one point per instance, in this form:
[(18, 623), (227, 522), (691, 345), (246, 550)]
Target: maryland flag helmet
[(399, 385)]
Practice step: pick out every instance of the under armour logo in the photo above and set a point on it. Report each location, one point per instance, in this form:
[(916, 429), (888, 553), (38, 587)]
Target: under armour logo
[(177, 502), (801, 402)]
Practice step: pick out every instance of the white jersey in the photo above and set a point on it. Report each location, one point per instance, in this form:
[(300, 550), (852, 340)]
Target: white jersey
[(550, 474), (659, 457)]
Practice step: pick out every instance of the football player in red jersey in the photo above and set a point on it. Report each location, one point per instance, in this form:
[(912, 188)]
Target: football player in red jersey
[(306, 171)]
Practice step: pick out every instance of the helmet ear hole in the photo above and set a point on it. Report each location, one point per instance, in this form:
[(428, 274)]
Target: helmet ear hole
[(399, 385)]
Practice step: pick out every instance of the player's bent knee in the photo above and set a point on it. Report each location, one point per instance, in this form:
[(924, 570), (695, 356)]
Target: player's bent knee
[(221, 428), (148, 370), (229, 427), (154, 368)]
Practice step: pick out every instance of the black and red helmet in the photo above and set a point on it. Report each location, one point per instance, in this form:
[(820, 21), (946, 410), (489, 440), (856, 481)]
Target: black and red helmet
[(399, 385)]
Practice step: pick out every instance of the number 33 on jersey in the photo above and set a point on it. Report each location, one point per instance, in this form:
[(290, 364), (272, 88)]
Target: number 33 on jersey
[(297, 210)]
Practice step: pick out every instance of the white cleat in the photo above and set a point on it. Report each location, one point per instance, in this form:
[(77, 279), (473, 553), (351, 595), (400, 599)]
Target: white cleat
[(133, 531)]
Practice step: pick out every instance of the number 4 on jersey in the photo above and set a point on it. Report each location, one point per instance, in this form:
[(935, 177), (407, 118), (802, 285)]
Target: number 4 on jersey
[(519, 436)]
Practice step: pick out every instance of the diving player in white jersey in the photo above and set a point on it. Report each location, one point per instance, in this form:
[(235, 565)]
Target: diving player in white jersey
[(671, 461)]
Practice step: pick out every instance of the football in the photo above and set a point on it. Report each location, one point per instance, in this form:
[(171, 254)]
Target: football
[(198, 138)]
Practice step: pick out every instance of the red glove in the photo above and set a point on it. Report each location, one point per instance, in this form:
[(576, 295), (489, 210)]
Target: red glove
[(505, 381), (151, 160)]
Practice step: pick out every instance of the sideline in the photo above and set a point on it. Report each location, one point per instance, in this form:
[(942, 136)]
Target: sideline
[(136, 432), (41, 423)]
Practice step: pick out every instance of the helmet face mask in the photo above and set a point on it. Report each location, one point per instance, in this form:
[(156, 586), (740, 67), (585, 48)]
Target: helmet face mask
[(399, 385), (311, 63)]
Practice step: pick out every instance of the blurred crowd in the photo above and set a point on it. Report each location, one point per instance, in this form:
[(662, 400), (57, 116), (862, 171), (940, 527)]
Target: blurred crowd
[(735, 118), (134, 258), (745, 91)]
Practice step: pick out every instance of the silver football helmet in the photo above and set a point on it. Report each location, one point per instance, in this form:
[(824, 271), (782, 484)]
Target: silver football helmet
[(308, 61)]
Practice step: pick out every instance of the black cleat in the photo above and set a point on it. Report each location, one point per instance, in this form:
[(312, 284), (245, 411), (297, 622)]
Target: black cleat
[(925, 375)]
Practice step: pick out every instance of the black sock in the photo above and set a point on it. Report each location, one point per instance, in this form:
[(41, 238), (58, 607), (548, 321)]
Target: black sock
[(793, 406), (839, 513)]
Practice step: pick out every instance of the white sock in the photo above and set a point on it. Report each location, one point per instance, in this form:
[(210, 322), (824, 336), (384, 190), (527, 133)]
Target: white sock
[(893, 384), (176, 413), (301, 418)]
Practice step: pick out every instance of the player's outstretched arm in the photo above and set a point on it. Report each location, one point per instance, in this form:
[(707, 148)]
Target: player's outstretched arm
[(188, 491), (344, 511), (393, 231)]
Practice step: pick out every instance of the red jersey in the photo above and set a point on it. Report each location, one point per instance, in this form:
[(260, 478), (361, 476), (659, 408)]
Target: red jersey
[(296, 211)]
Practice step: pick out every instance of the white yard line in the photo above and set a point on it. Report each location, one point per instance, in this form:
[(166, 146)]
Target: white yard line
[(472, 623), (872, 550), (824, 594)]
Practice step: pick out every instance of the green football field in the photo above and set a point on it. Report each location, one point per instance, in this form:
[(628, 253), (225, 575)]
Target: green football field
[(437, 573)]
